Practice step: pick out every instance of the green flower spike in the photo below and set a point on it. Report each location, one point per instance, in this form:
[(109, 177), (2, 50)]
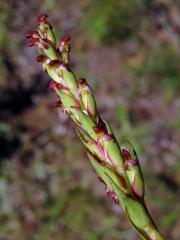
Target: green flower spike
[(115, 167)]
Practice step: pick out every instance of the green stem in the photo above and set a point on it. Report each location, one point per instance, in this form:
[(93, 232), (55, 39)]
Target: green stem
[(150, 231)]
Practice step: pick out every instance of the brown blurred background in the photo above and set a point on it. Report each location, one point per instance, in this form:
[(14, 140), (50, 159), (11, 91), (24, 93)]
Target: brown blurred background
[(129, 51)]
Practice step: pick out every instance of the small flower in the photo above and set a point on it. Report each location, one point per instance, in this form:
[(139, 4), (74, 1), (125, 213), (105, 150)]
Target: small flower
[(42, 18)]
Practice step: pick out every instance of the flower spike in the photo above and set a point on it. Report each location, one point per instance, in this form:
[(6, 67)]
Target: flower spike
[(116, 168)]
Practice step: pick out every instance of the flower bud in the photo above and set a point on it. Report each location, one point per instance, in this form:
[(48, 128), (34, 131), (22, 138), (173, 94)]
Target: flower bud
[(86, 123), (42, 18), (111, 149), (91, 144), (45, 29), (106, 173), (111, 194), (69, 79), (69, 102), (32, 34), (44, 45), (134, 173), (87, 98), (53, 69), (64, 48)]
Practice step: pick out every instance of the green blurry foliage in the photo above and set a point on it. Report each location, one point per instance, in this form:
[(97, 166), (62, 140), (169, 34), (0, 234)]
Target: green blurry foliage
[(8, 140), (4, 36), (112, 20), (4, 15), (162, 65), (127, 131)]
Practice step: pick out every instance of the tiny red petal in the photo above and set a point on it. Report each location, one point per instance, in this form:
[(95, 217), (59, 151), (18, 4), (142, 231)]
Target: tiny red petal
[(65, 39), (33, 42), (111, 194), (52, 85), (126, 154), (32, 34), (81, 81), (48, 41), (116, 200), (42, 18), (54, 63), (41, 58), (57, 104), (98, 130), (133, 162)]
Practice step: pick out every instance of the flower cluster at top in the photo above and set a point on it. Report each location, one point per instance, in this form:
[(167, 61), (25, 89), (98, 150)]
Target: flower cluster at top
[(76, 99)]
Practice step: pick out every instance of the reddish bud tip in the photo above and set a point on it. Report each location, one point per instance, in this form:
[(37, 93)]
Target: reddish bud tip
[(57, 104), (52, 85), (32, 34), (98, 130), (42, 18), (48, 41), (54, 63), (133, 162), (111, 194), (126, 154), (59, 86), (32, 42), (81, 81), (116, 201), (41, 58), (65, 39)]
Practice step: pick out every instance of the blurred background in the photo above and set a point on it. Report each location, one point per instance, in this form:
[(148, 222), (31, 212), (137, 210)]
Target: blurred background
[(129, 51)]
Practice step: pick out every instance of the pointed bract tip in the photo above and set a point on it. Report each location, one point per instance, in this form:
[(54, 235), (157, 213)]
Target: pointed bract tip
[(42, 18), (65, 39)]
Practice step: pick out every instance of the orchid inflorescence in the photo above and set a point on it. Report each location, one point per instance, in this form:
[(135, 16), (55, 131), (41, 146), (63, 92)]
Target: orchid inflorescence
[(116, 168)]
